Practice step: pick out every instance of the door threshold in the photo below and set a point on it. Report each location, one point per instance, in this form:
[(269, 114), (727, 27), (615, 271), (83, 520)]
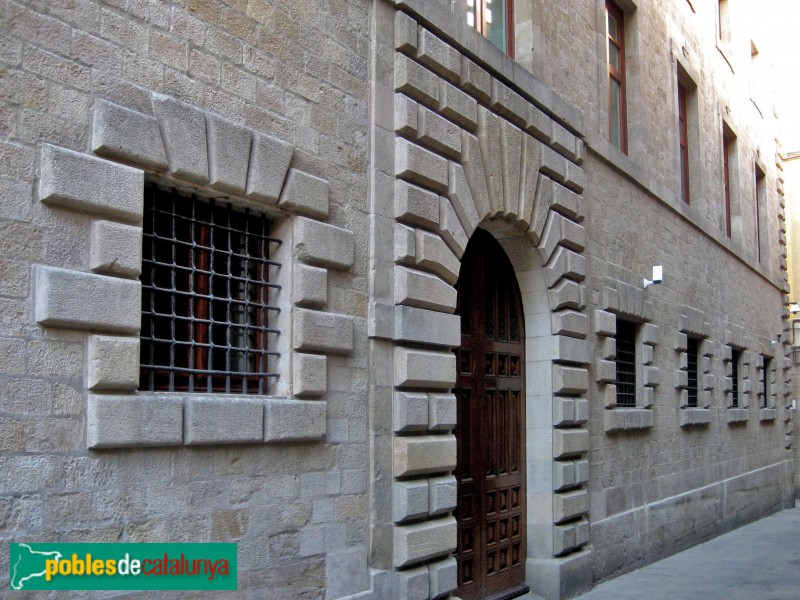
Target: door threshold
[(510, 593)]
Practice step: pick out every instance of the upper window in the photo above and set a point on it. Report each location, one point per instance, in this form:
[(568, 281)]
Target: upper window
[(207, 315), (691, 368), (495, 20), (735, 357), (761, 198), (617, 109), (723, 22), (684, 142), (765, 381), (728, 166), (626, 363)]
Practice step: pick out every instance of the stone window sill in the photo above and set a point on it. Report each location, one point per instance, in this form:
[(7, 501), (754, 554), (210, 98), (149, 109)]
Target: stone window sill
[(767, 415), (628, 419), (692, 416), (738, 415)]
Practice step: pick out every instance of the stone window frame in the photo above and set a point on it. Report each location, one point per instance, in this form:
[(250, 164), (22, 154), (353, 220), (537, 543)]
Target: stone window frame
[(724, 31), (693, 324), (624, 301), (612, 9), (215, 157), (766, 385), (740, 412), (479, 24)]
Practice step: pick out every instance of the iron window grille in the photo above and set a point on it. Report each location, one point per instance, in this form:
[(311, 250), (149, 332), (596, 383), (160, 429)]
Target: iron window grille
[(734, 377), (626, 363), (691, 356), (765, 401), (207, 311)]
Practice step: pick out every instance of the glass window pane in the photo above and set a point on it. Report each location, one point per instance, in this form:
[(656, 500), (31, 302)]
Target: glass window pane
[(613, 55), (495, 18), (614, 112), (613, 27)]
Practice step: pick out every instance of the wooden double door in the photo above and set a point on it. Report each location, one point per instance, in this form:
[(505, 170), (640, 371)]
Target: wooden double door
[(490, 388)]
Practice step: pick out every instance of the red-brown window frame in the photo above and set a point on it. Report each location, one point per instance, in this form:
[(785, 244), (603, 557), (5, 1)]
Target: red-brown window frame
[(684, 143), (618, 75), (480, 23), (760, 178)]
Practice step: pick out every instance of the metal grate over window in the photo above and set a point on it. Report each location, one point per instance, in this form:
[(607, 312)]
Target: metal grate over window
[(626, 363), (207, 302), (734, 377), (691, 355), (765, 400)]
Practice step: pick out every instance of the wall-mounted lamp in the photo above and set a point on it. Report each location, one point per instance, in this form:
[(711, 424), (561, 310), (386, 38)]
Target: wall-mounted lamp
[(658, 277), (794, 308)]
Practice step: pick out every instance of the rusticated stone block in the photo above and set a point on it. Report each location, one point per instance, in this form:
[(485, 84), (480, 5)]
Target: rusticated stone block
[(228, 154), (570, 505), (85, 183), (269, 163), (451, 229), (570, 380), (458, 106), (309, 375), (509, 103), (416, 206), (461, 197), (650, 334), (410, 411), (567, 294), (565, 143), (605, 323), (424, 369), (423, 541), (405, 33), (416, 81), (405, 244), (570, 536), (127, 136), (475, 80), (432, 254), (438, 55), (113, 363), (183, 129), (565, 263), (115, 249), (294, 420), (125, 421), (442, 494), (223, 420), (570, 411), (316, 331), (570, 442), (415, 288), (426, 327), (421, 166), (310, 285), (412, 584), (569, 323), (539, 124), (322, 244), (605, 371), (442, 411), (76, 300), (438, 134), (305, 194), (444, 577), (405, 115), (420, 455), (410, 500), (561, 231)]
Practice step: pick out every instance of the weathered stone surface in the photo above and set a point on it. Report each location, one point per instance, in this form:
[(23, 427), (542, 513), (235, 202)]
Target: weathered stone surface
[(420, 166), (410, 411), (416, 81), (444, 577), (85, 183), (115, 249), (458, 106), (475, 80), (127, 136), (309, 375), (415, 288), (415, 205), (423, 368), (322, 244), (437, 133), (410, 500), (405, 115), (125, 421), (438, 55), (567, 294), (420, 455), (228, 154), (559, 230), (113, 363), (570, 380), (305, 194), (310, 285), (442, 412), (570, 442), (477, 191), (316, 331), (512, 154), (565, 263), (443, 494), (570, 323), (269, 163), (451, 229), (423, 541), (405, 33), (183, 129), (509, 103), (432, 254), (422, 326), (223, 420), (294, 420), (412, 584), (462, 199), (76, 300), (490, 136)]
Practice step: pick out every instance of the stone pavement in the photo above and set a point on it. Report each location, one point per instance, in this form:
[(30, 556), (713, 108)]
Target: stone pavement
[(760, 561)]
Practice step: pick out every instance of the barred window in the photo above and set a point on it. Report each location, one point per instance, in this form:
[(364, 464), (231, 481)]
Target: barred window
[(207, 301), (735, 354), (765, 381), (626, 363), (691, 355)]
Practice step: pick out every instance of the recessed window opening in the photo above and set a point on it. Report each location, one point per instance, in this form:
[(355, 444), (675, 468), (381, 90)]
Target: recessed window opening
[(494, 19), (735, 356), (684, 142), (765, 381), (761, 193), (617, 101), (691, 355), (626, 363), (208, 316)]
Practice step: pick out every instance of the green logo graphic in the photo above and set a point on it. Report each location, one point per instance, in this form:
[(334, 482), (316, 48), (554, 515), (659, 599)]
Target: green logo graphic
[(122, 566)]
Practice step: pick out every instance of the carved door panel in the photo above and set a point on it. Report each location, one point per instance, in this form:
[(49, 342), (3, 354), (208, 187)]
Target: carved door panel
[(490, 388)]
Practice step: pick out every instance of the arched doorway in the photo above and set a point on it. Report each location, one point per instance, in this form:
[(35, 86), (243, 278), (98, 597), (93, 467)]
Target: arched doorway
[(490, 387)]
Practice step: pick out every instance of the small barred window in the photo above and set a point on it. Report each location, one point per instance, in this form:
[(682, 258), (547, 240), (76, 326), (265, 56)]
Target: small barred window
[(626, 363), (208, 310), (691, 356), (735, 357), (765, 381)]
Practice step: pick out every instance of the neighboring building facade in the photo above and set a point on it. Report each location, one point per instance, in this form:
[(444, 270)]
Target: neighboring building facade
[(344, 283)]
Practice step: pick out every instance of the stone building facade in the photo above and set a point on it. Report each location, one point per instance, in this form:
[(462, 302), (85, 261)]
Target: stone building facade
[(380, 141)]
